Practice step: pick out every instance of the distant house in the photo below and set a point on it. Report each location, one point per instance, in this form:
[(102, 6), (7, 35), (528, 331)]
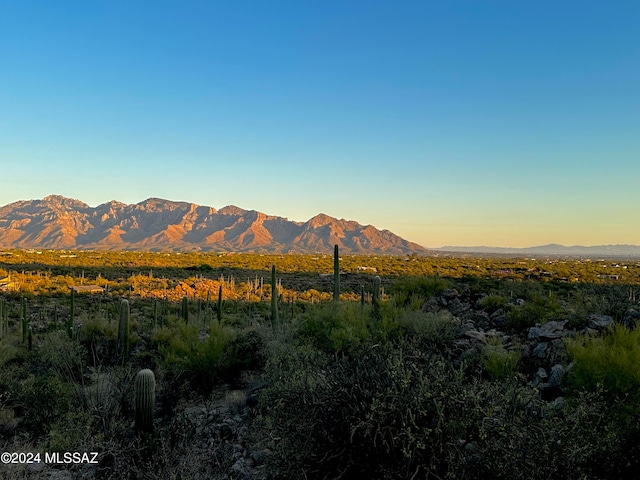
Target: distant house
[(88, 288), (609, 277), (367, 269)]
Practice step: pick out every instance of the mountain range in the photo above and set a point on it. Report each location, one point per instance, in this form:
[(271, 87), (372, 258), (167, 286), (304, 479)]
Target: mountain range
[(552, 249), (57, 222)]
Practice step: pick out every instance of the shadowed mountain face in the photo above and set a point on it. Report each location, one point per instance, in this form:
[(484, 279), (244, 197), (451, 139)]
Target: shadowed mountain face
[(56, 222)]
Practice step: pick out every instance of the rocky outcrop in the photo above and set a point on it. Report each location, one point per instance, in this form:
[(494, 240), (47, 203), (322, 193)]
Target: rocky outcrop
[(540, 348)]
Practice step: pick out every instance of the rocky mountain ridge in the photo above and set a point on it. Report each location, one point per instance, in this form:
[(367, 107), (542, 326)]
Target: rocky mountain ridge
[(57, 222)]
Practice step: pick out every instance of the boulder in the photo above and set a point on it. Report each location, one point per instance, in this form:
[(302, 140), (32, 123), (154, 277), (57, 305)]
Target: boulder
[(548, 331), (600, 322)]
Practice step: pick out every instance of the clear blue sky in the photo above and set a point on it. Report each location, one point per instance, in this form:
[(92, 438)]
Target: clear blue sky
[(504, 123)]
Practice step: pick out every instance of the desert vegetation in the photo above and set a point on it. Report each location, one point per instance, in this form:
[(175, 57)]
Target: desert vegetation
[(204, 366)]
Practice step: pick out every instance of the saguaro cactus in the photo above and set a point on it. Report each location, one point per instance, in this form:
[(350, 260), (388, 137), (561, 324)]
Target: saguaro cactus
[(219, 305), (145, 399), (155, 313), (274, 299), (336, 274), (362, 296), (123, 329), (185, 309), (375, 298), (2, 332), (71, 313), (4, 319), (23, 316)]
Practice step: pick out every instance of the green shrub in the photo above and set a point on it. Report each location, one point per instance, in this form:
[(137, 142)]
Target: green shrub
[(536, 309), (384, 412), (415, 290), (498, 362), (65, 356), (336, 326), (493, 302), (43, 400), (8, 352), (199, 360), (433, 330), (245, 352), (525, 438), (175, 341), (393, 411), (611, 360), (71, 432)]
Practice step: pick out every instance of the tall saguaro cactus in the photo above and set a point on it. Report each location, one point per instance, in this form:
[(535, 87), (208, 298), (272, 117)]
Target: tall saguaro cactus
[(123, 329), (274, 300), (185, 309), (219, 305), (155, 313), (4, 318), (336, 274), (145, 399), (375, 298), (72, 309), (23, 318), (2, 332)]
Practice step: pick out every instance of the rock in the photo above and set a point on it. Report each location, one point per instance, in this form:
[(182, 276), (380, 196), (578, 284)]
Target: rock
[(476, 335), (631, 318), (449, 297), (193, 413), (466, 326), (499, 320), (60, 475), (558, 352), (600, 322), (539, 377), (557, 373), (557, 404), (243, 468), (36, 466), (548, 331), (549, 390), (430, 306), (541, 350), (450, 294)]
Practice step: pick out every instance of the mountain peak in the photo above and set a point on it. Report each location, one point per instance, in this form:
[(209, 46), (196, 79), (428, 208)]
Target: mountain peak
[(232, 210), (59, 200)]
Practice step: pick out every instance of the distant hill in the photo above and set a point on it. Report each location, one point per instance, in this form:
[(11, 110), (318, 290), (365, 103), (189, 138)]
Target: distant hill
[(57, 222), (553, 249)]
